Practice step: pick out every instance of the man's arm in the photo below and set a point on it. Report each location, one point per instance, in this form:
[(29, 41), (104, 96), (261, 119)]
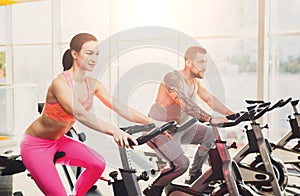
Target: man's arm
[(176, 89), (213, 102)]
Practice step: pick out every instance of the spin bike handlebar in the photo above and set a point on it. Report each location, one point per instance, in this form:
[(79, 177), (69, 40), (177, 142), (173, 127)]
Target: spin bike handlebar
[(239, 118), (285, 102), (295, 102), (254, 113), (280, 103), (262, 107), (138, 128), (149, 127)]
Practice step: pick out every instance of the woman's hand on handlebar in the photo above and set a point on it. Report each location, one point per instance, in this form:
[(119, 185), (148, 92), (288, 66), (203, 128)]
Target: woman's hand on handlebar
[(121, 138)]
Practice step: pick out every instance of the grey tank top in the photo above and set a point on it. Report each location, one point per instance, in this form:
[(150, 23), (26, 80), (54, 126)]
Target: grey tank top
[(174, 112)]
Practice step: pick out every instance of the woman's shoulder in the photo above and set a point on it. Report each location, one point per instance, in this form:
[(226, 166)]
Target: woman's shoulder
[(58, 80)]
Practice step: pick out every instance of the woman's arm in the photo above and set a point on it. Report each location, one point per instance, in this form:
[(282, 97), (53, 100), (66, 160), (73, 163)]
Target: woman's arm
[(71, 104), (123, 110)]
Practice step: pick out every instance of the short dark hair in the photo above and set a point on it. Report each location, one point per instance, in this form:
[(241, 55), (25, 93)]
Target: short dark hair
[(192, 51)]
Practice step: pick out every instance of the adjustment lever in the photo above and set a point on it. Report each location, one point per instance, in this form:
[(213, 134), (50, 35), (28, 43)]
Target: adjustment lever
[(144, 176), (265, 127)]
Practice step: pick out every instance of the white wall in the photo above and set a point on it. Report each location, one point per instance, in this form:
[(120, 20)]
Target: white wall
[(34, 36)]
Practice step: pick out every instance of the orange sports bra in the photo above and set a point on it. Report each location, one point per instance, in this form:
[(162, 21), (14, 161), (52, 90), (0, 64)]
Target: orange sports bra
[(56, 112)]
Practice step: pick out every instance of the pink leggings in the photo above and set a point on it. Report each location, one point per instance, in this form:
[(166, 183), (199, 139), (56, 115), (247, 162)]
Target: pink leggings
[(37, 155)]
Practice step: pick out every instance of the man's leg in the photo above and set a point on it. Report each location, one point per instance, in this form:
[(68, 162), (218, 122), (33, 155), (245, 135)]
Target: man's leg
[(196, 167), (203, 135), (171, 151)]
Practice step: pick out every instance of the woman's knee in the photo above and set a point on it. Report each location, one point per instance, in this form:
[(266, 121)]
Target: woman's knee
[(98, 165)]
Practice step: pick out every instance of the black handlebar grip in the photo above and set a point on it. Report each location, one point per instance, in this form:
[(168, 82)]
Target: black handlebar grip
[(295, 102), (233, 116), (245, 116), (254, 101), (143, 139), (285, 102), (276, 105), (131, 143), (138, 128)]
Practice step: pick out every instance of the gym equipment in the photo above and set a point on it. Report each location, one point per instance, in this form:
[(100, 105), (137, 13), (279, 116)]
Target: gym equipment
[(223, 177), (128, 185), (265, 174), (290, 155)]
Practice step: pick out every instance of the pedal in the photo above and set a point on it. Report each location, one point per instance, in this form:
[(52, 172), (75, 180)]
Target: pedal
[(209, 189), (18, 193)]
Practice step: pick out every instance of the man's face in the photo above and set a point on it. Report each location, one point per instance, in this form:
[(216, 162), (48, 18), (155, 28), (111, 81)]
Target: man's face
[(198, 65)]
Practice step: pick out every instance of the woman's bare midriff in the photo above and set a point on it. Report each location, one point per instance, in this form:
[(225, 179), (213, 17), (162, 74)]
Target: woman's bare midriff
[(46, 128)]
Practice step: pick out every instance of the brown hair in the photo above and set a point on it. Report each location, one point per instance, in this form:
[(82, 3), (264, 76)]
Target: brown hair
[(75, 44), (192, 51)]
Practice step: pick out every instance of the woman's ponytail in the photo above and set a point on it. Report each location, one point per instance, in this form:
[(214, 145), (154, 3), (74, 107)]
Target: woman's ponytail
[(67, 60)]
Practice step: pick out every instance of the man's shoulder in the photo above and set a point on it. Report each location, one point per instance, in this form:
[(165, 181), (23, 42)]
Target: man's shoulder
[(174, 73), (173, 79)]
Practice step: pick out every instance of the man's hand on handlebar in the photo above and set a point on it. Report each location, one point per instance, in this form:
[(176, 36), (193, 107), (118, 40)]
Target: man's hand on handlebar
[(231, 117), (217, 120)]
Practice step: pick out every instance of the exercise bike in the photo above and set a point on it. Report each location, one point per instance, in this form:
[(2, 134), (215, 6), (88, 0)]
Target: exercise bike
[(290, 155), (128, 185), (265, 174), (223, 177), (10, 164), (285, 150)]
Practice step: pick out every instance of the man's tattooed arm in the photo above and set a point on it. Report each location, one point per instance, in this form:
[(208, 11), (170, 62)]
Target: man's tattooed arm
[(175, 84)]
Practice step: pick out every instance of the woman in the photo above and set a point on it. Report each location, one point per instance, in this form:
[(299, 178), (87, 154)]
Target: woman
[(69, 98)]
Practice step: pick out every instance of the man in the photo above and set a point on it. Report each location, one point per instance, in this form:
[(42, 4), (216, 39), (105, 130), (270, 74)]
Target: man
[(177, 100)]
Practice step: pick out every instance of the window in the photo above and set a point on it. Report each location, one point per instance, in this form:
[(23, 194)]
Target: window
[(284, 71)]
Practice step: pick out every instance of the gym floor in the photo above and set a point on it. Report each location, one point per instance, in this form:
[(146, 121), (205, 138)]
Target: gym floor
[(21, 182)]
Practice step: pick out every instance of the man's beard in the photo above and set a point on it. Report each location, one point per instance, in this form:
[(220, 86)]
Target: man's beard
[(199, 75)]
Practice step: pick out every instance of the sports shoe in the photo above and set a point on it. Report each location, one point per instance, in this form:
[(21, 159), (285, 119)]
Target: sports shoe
[(192, 178)]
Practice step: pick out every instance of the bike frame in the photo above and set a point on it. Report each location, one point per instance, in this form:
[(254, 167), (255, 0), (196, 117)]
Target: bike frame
[(128, 185), (223, 170), (257, 143), (287, 155)]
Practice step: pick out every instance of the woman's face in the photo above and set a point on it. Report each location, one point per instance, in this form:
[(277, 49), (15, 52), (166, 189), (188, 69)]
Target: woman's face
[(88, 55)]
